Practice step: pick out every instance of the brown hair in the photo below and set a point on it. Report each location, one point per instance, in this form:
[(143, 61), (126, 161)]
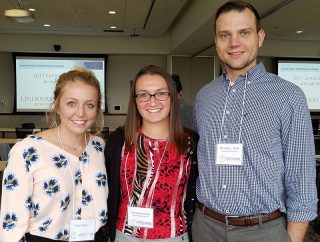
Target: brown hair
[(238, 6), (77, 74), (134, 119)]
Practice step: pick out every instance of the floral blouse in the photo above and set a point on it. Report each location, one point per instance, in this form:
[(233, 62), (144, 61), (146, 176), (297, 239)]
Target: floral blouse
[(44, 187)]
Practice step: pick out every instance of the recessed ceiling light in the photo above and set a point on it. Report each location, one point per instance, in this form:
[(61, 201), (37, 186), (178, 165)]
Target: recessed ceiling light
[(46, 25), (16, 13), (112, 12), (32, 9), (113, 27), (299, 31)]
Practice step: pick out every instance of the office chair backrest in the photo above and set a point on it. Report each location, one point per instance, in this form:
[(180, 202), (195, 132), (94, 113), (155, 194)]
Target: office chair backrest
[(28, 125), (22, 133)]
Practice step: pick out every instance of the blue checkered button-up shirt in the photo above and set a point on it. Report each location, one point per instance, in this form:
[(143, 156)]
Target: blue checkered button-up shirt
[(279, 169)]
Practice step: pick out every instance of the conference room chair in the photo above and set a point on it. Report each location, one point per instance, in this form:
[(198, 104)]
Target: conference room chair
[(23, 132), (28, 125)]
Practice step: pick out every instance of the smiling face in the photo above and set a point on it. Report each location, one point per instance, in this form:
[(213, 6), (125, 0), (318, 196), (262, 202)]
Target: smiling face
[(77, 107), (237, 41), (153, 111)]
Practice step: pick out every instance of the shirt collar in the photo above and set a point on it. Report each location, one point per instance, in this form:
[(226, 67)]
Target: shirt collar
[(253, 74)]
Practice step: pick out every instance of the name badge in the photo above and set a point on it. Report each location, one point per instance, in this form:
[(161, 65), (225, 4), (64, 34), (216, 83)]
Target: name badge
[(140, 217), (82, 230), (229, 154)]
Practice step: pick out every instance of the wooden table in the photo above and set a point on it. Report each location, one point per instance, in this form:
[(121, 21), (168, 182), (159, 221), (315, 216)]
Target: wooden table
[(13, 130), (6, 130), (9, 141)]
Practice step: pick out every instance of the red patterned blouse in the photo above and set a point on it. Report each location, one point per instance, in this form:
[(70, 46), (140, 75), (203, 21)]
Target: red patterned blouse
[(155, 176)]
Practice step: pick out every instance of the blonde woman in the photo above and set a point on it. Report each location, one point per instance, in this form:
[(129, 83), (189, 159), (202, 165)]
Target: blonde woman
[(55, 181)]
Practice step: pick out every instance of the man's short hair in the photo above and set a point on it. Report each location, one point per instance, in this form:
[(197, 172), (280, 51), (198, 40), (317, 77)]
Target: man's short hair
[(238, 6)]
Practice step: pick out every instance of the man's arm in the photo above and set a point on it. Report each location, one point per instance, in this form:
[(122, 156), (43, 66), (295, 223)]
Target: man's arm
[(297, 230), (300, 167)]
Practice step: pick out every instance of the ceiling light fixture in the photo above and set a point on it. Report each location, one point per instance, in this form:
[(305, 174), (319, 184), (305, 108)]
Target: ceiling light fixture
[(46, 25), (113, 27), (299, 31), (16, 13), (19, 15), (112, 12), (32, 9)]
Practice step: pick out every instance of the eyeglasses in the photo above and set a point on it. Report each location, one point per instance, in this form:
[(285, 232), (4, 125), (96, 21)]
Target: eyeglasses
[(159, 96)]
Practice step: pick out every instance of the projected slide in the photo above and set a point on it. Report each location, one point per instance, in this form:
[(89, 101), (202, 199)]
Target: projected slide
[(307, 76), (36, 78)]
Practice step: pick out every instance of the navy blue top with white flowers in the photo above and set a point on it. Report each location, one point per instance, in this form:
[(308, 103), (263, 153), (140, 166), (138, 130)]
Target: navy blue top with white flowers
[(45, 187)]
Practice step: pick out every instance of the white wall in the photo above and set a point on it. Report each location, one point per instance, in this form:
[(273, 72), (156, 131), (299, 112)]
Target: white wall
[(83, 44), (6, 82), (281, 48), (194, 73), (121, 69)]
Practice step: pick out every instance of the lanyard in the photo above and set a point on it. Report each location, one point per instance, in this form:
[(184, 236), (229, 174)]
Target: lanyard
[(152, 188), (242, 109)]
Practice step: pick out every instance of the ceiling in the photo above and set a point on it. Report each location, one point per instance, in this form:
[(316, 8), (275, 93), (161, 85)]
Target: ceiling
[(90, 17), (158, 18)]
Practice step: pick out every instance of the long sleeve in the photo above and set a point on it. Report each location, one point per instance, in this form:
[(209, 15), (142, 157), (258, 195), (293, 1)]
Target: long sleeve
[(45, 187), (299, 158), (17, 187)]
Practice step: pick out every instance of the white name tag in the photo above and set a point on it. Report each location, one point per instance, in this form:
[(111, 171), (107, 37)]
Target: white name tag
[(140, 217), (229, 154), (81, 230)]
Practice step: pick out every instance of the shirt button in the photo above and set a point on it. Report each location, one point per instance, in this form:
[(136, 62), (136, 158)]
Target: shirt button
[(249, 82), (224, 186), (227, 211), (234, 90), (227, 112), (225, 136)]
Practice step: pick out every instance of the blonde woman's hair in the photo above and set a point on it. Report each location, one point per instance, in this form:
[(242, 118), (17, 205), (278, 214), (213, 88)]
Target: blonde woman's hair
[(82, 75)]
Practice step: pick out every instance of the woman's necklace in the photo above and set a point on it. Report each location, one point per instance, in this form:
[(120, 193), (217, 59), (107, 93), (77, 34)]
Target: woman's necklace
[(73, 150)]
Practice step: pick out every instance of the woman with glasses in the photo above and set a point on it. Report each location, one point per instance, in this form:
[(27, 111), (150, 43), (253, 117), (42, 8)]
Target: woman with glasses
[(151, 165)]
